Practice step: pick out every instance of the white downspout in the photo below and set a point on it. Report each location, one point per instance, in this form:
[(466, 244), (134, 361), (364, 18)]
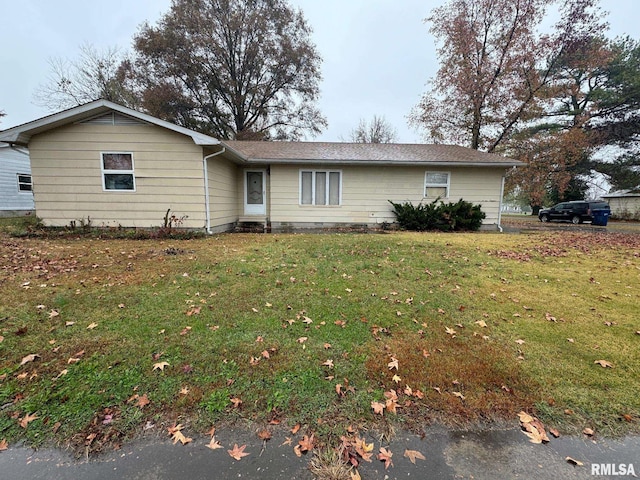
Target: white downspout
[(500, 205), (207, 209)]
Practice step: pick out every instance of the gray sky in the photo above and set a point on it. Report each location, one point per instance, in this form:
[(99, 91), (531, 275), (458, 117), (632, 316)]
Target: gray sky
[(378, 54)]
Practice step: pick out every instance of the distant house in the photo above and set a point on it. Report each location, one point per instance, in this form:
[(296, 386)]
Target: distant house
[(16, 196), (116, 166), (625, 204)]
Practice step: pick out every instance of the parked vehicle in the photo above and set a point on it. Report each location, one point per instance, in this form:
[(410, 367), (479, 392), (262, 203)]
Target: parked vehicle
[(575, 212)]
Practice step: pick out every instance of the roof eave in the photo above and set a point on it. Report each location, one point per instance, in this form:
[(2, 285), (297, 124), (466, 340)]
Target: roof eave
[(22, 134), (419, 163)]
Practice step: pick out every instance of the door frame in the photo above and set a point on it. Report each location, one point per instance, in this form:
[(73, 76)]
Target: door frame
[(255, 209)]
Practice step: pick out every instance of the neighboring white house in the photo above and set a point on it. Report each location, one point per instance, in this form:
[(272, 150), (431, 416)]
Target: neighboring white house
[(625, 204), (16, 188), (108, 164)]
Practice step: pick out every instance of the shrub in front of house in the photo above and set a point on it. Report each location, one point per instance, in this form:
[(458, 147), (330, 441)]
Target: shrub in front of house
[(446, 217)]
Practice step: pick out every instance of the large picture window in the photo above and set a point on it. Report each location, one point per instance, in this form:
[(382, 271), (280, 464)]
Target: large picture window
[(320, 187), (117, 171), (24, 183), (436, 184)]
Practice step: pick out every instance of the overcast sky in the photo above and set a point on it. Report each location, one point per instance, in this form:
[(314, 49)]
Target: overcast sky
[(378, 54)]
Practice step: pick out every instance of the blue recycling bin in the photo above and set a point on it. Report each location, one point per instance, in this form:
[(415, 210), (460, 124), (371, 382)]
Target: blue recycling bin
[(600, 217)]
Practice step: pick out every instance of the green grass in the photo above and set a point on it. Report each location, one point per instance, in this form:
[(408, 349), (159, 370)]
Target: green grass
[(215, 308)]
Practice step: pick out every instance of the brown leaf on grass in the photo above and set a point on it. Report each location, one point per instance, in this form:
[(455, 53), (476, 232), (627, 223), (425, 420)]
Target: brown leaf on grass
[(29, 358), (413, 454), (92, 325), (533, 428), (393, 363), (355, 475), (3, 445), (143, 401), (295, 429), (264, 435), (28, 418), (554, 432), (1, 339), (160, 365), (481, 323), (588, 432), (177, 435), (236, 402), (328, 363), (385, 456), (302, 339), (525, 417), (604, 363), (459, 395), (238, 452), (450, 331)]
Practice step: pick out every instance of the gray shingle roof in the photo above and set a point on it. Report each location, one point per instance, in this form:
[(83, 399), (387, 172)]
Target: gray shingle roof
[(364, 153)]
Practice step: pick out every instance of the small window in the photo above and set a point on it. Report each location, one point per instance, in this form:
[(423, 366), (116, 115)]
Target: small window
[(436, 184), (24, 183), (320, 187), (117, 171)]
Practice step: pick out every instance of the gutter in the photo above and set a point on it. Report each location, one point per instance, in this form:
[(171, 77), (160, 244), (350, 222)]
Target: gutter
[(207, 209)]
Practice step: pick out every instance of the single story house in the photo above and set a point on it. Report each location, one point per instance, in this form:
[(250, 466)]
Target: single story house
[(115, 166), (16, 196), (625, 204)]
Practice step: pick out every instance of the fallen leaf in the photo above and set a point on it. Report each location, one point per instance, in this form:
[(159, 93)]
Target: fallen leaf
[(573, 461), (554, 432), (92, 325), (604, 363), (378, 407), (238, 452), (589, 432), (525, 417), (520, 341), (302, 339), (450, 331), (184, 391), (236, 402), (24, 421), (179, 437), (214, 444), (355, 475), (160, 365), (459, 395), (307, 443), (328, 363), (264, 435), (396, 378), (413, 454), (295, 429), (3, 444), (53, 313), (29, 358), (385, 456), (143, 401), (393, 363), (481, 323)]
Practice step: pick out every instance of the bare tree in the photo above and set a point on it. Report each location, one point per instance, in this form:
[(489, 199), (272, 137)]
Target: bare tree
[(378, 130), (95, 74), (231, 68)]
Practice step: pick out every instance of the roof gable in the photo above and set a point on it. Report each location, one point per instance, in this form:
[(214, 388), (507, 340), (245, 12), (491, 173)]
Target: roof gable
[(92, 111), (364, 153)]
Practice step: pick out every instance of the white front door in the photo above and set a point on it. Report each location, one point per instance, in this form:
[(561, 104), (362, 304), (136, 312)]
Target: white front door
[(254, 192)]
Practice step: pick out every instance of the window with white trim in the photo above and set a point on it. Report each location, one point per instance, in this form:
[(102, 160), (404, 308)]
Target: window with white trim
[(117, 171), (320, 187), (436, 184), (24, 183)]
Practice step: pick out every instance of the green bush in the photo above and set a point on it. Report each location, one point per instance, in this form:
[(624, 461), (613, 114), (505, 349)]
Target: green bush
[(447, 217)]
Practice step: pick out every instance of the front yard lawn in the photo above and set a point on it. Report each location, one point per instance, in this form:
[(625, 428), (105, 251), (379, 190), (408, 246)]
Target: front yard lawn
[(102, 338)]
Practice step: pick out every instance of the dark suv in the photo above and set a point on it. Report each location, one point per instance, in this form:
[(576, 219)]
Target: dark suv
[(574, 212)]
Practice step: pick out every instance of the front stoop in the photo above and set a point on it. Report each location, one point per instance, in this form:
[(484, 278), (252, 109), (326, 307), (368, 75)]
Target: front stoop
[(253, 224)]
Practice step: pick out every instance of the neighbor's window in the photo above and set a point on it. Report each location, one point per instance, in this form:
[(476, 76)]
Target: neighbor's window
[(320, 187), (117, 171), (24, 183), (436, 184)]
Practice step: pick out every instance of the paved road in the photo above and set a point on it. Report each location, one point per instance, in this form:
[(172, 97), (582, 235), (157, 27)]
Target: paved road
[(491, 454)]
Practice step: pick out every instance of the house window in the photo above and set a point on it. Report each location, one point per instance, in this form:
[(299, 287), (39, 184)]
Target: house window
[(117, 171), (24, 183), (436, 184), (320, 187)]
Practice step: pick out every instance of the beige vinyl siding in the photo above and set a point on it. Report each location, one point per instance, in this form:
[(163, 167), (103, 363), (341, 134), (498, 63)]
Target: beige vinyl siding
[(66, 167), (367, 190), (223, 192)]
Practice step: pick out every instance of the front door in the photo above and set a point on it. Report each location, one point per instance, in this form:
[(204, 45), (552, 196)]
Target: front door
[(254, 198)]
